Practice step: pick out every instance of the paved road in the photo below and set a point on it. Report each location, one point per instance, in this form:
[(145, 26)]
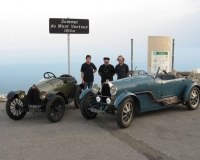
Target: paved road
[(172, 133)]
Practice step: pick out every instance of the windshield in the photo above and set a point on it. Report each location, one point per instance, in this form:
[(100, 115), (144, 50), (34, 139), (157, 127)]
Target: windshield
[(143, 70)]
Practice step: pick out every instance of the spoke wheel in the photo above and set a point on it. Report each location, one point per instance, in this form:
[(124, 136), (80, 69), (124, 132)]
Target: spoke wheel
[(14, 109), (77, 100), (55, 109), (193, 102), (86, 103), (125, 113)]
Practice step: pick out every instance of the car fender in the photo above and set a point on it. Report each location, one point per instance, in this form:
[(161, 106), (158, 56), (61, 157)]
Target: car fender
[(52, 94), (187, 91), (137, 104), (75, 90), (85, 92), (11, 94), (121, 97)]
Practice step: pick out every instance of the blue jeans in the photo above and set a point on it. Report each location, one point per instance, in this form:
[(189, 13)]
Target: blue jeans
[(88, 84)]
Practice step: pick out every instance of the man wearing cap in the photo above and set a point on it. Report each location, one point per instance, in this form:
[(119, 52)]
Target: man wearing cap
[(121, 69), (106, 70), (87, 72)]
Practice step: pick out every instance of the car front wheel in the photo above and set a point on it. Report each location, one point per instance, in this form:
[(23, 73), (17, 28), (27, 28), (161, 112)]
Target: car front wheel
[(125, 113), (55, 109), (193, 102), (14, 109), (86, 103)]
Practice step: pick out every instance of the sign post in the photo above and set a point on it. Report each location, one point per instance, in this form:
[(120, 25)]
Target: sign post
[(68, 54), (132, 54), (68, 26), (68, 35)]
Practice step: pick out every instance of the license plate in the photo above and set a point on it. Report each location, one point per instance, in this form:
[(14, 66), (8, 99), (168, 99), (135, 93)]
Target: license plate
[(34, 108), (96, 110)]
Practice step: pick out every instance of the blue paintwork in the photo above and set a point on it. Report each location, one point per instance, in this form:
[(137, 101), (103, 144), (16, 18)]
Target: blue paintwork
[(187, 91), (131, 84), (145, 104), (122, 96), (85, 92), (128, 87)]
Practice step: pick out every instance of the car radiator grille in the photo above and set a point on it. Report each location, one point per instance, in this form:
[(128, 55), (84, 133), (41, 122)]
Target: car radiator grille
[(33, 97), (105, 92)]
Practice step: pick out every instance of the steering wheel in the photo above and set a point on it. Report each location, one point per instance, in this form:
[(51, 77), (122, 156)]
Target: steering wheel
[(48, 73)]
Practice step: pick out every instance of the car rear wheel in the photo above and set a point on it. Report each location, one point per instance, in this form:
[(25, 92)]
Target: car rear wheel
[(77, 100), (125, 113), (14, 109), (86, 103), (194, 98), (55, 109)]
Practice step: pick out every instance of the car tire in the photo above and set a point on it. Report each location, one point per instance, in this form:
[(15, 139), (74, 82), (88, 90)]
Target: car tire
[(85, 104), (14, 109), (77, 101), (55, 109), (194, 98), (125, 113)]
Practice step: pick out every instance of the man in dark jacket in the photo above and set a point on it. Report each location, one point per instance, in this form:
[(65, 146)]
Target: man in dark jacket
[(121, 69), (106, 71), (87, 72)]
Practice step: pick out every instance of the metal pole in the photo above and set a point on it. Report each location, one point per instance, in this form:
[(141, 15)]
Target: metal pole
[(173, 55), (69, 54), (132, 54)]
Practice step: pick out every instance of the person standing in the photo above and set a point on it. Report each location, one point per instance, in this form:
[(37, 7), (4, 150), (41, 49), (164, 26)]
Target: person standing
[(121, 69), (106, 71), (87, 72)]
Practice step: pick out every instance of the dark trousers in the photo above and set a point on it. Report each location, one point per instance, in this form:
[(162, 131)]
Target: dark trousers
[(88, 84)]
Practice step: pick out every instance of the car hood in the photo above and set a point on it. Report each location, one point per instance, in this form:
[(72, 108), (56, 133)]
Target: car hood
[(46, 87), (132, 84)]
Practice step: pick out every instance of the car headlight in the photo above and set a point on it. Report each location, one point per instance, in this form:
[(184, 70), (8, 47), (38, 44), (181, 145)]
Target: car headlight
[(108, 100), (43, 95), (21, 95), (98, 99), (96, 88), (113, 90)]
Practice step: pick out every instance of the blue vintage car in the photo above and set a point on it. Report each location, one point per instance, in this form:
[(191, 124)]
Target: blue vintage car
[(134, 95)]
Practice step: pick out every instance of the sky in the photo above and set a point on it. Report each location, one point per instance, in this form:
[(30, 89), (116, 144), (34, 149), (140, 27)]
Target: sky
[(25, 37)]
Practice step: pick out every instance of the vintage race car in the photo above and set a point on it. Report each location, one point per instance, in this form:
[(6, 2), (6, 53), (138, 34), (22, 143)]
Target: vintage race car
[(134, 95), (49, 95)]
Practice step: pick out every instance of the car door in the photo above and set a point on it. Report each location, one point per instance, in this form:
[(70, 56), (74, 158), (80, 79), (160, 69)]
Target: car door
[(156, 89), (162, 89), (168, 88)]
